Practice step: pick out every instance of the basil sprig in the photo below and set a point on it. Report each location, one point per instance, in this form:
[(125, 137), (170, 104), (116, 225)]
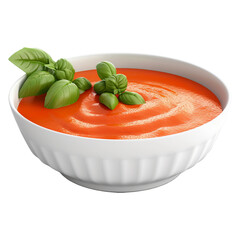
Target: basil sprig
[(56, 79), (116, 84), (112, 84), (46, 76)]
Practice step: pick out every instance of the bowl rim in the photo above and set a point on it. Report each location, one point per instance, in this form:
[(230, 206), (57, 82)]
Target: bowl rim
[(224, 110)]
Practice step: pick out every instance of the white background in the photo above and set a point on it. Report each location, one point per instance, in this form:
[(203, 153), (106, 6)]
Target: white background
[(203, 203)]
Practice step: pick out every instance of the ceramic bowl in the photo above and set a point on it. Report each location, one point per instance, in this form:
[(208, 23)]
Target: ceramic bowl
[(125, 165)]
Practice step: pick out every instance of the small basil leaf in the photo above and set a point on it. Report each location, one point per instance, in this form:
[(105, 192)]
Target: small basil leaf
[(109, 100), (64, 74), (82, 83), (30, 59), (64, 70), (116, 84), (36, 84), (105, 69), (61, 93), (131, 98), (100, 87)]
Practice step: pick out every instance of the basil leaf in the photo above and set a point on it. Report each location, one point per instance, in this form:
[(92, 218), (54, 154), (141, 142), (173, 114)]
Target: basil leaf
[(100, 87), (82, 83), (30, 59), (64, 70), (131, 98), (109, 100), (50, 66), (81, 91), (116, 84), (61, 93), (105, 69), (36, 84)]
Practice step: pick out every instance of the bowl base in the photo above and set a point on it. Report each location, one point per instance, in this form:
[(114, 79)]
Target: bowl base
[(119, 188)]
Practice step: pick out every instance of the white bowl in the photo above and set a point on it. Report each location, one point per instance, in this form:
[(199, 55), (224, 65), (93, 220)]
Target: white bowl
[(125, 165)]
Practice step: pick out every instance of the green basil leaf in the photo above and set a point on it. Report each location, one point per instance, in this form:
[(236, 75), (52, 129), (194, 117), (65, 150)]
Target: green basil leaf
[(61, 93), (100, 87), (64, 70), (50, 66), (36, 84), (109, 100), (131, 98), (82, 83), (116, 84), (81, 91), (105, 69), (30, 59)]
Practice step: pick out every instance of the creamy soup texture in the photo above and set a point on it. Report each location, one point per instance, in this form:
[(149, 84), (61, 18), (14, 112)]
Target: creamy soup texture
[(173, 104)]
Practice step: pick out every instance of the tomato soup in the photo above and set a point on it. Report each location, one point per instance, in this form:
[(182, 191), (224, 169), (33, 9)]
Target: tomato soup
[(173, 104)]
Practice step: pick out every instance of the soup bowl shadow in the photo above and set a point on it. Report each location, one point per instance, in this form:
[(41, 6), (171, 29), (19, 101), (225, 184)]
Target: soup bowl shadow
[(125, 165)]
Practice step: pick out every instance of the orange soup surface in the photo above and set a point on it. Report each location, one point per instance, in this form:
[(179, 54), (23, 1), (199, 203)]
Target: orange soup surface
[(173, 104)]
